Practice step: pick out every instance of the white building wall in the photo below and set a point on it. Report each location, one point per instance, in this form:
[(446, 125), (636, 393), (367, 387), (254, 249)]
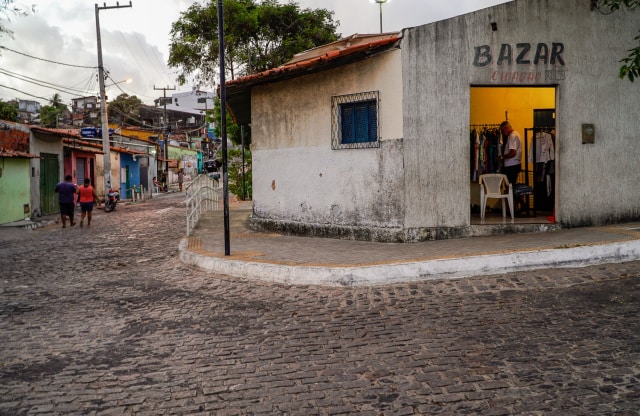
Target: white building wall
[(298, 178), (596, 183)]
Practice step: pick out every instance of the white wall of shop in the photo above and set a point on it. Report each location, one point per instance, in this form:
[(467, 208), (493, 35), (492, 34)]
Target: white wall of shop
[(596, 182)]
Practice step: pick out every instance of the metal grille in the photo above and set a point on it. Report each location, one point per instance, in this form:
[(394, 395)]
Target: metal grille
[(337, 126)]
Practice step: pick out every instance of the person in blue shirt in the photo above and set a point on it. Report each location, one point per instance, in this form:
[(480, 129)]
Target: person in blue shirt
[(66, 193)]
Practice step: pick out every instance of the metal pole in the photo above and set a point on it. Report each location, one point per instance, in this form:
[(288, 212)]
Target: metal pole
[(380, 3), (103, 100), (244, 182), (103, 111), (223, 127), (165, 136)]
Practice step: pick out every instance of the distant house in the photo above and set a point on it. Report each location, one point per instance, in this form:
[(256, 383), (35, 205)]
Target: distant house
[(85, 111), (373, 137), (28, 110)]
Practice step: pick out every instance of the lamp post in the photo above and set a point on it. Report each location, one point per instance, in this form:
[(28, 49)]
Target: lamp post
[(380, 3)]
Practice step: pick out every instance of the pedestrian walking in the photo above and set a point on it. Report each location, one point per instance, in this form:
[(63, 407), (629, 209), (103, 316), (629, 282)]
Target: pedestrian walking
[(163, 181), (66, 192), (87, 196), (180, 179)]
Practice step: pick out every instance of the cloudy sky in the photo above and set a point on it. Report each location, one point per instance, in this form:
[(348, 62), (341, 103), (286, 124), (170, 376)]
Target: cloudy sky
[(135, 41)]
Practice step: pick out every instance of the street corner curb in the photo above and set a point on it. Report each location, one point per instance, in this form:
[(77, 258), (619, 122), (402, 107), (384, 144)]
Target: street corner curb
[(406, 272)]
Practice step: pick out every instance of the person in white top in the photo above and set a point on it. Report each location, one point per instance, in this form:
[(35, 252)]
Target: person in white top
[(512, 156), (512, 159)]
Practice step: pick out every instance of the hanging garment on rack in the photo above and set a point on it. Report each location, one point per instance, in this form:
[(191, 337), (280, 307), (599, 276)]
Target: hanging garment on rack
[(485, 149), (544, 149), (493, 150), (475, 142)]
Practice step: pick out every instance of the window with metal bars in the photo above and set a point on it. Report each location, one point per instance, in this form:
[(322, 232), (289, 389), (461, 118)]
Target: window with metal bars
[(355, 121)]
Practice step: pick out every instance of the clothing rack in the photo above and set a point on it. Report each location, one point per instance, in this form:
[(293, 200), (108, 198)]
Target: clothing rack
[(484, 159), (471, 126)]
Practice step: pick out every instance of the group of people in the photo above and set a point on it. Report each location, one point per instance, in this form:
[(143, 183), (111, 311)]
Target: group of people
[(69, 193), (162, 184)]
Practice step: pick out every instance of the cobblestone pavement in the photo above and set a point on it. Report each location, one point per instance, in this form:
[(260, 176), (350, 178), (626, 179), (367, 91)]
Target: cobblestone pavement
[(107, 321)]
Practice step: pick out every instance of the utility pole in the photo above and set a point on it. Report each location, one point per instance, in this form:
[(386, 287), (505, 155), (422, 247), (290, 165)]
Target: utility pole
[(165, 136), (223, 129), (103, 100)]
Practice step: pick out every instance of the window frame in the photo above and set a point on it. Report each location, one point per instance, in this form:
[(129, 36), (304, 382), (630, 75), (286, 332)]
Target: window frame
[(336, 119)]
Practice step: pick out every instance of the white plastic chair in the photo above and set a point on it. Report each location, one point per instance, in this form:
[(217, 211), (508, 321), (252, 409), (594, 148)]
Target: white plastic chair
[(491, 188)]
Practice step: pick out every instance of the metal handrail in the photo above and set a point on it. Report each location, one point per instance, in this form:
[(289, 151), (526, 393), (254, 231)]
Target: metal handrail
[(202, 196)]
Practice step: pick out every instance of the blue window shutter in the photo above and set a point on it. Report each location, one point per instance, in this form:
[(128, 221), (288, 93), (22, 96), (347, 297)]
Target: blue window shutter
[(348, 128), (359, 122)]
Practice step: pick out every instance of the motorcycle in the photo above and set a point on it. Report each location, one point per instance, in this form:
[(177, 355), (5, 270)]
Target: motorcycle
[(113, 196)]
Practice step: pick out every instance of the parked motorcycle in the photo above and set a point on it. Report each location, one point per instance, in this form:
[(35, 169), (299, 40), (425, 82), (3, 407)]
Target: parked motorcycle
[(113, 196)]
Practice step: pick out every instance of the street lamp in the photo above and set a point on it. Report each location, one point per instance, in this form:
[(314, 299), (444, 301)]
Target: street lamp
[(380, 3), (124, 81)]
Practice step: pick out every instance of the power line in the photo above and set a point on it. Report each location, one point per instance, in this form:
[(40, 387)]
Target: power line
[(25, 93), (41, 83), (47, 60)]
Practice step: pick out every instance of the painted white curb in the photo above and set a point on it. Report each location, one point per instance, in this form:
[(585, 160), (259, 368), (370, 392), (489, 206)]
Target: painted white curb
[(580, 256)]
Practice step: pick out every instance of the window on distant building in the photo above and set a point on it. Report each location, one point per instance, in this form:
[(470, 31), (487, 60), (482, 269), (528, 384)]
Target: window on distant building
[(354, 121)]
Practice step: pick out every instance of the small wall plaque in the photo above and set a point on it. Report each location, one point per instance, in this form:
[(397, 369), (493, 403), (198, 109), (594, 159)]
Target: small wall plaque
[(588, 133)]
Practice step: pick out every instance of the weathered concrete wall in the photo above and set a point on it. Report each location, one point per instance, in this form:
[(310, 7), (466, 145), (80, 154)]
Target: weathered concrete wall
[(554, 43), (300, 181)]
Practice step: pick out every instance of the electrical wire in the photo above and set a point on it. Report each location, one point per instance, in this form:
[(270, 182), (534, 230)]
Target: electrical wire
[(41, 83), (25, 93), (47, 60)]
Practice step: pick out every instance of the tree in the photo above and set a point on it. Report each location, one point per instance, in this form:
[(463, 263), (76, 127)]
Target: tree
[(8, 111), (125, 108), (258, 36), (233, 130), (6, 9), (56, 102), (631, 64), (49, 116)]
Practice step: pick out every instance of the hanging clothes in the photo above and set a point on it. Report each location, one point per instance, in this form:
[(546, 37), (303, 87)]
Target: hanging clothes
[(543, 149), (485, 150)]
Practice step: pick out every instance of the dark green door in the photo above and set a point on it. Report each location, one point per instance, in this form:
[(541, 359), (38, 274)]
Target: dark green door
[(49, 178)]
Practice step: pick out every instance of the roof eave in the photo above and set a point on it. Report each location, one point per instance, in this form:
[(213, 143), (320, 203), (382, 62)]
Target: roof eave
[(238, 91)]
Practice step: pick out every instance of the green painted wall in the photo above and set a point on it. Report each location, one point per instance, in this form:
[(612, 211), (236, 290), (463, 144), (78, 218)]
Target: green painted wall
[(14, 189)]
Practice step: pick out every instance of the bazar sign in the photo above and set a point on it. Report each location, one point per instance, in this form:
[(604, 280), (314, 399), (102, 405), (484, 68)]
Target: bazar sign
[(534, 63)]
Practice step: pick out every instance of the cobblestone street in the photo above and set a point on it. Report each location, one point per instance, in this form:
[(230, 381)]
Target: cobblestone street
[(107, 321)]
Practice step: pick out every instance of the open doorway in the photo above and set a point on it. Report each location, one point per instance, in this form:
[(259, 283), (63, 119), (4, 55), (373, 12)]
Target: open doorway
[(531, 112)]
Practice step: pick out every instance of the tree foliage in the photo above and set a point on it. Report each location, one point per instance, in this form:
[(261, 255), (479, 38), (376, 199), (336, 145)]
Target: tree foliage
[(8, 111), (6, 10), (233, 130), (49, 116), (56, 102), (258, 35), (125, 109), (631, 64)]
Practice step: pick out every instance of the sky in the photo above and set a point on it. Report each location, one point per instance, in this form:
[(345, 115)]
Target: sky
[(53, 49)]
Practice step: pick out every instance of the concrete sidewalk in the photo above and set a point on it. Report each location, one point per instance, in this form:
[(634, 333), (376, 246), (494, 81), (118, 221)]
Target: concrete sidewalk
[(324, 261)]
